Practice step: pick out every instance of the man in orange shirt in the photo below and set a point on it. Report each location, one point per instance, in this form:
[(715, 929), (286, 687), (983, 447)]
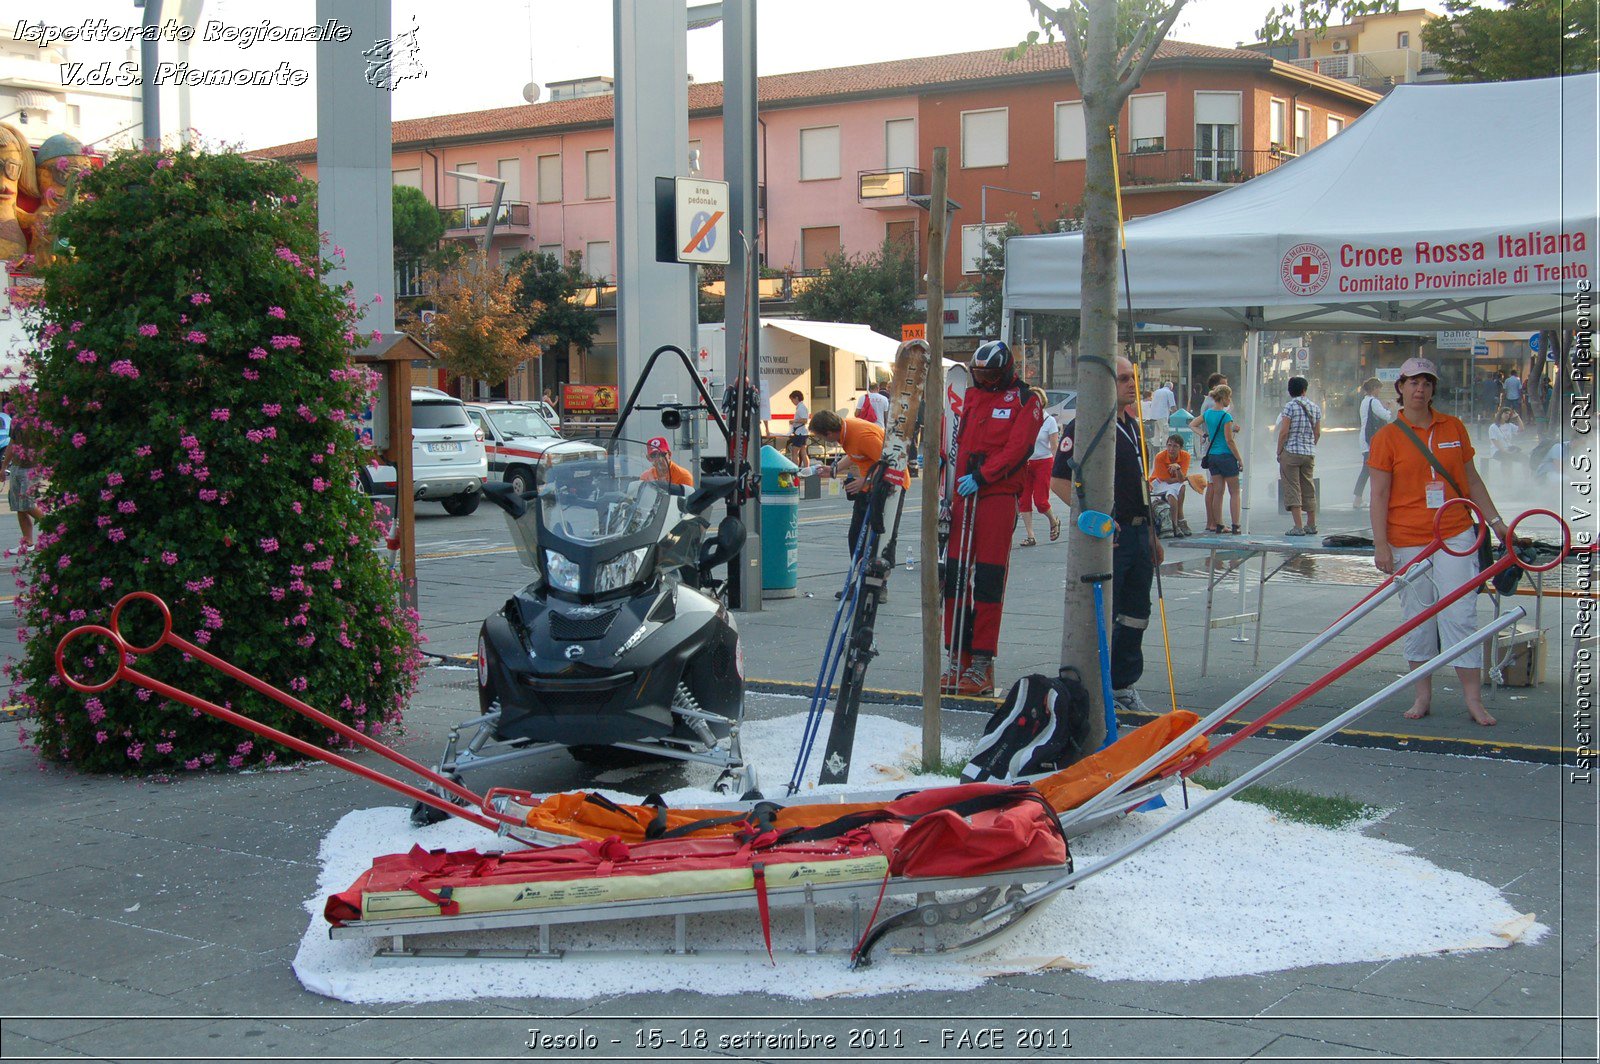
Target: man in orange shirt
[(1407, 493), (662, 467), (862, 442)]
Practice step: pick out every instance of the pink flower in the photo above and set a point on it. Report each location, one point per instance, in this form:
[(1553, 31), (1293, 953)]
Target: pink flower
[(235, 761), (221, 413), (163, 164), (195, 336), (79, 439), (163, 748), (143, 451), (169, 558), (192, 764), (124, 368), (277, 312), (271, 409), (258, 353), (199, 298), (281, 342), (88, 357), (114, 479), (148, 330), (100, 737), (267, 545)]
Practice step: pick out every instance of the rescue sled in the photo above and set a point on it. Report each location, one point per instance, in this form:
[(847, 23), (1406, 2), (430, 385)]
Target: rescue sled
[(969, 855)]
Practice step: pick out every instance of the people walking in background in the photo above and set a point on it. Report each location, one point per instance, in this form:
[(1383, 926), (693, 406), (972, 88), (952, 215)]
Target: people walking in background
[(1418, 462), (1503, 446), (1372, 416), (1221, 458), (1000, 420), (1512, 392), (799, 429), (1162, 403), (17, 469), (874, 406), (1036, 490), (1202, 442), (1299, 430), (1169, 477)]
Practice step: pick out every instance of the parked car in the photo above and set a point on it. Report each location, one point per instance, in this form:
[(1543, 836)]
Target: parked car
[(521, 443), (448, 460), (544, 410), (1062, 404)]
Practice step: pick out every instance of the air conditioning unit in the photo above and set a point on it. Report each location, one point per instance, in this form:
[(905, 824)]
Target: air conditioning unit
[(1341, 46)]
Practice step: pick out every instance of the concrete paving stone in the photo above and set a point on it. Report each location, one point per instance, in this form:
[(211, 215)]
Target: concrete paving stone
[(100, 947), (238, 1039), (1298, 1047), (1572, 1039), (34, 1003), (1400, 1025), (1422, 983), (20, 1047), (1525, 994), (267, 988)]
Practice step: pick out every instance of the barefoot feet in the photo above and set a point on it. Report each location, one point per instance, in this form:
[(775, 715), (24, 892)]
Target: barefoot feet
[(1416, 712), (1481, 716)]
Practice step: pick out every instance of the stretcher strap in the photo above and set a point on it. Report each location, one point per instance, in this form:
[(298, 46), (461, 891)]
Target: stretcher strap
[(447, 906), (871, 920), (758, 872)]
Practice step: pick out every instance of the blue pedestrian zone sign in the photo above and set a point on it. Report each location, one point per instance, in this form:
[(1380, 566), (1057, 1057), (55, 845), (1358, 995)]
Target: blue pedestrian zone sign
[(1535, 341)]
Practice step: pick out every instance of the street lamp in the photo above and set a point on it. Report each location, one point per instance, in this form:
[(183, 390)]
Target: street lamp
[(983, 202), (499, 184)]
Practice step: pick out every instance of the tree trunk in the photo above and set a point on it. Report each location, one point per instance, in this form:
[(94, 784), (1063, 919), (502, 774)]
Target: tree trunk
[(1096, 358)]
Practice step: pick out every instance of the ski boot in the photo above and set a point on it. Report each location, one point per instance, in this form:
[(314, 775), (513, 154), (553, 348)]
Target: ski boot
[(978, 679), (950, 679)]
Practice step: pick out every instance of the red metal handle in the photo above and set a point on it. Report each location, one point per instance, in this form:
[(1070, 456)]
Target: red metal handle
[(1479, 524), (125, 651)]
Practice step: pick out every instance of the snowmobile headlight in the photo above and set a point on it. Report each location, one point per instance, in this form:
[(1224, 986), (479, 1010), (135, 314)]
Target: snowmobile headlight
[(561, 571), (619, 571)]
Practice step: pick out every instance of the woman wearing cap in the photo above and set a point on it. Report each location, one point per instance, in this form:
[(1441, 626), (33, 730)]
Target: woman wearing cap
[(1417, 462), (662, 467)]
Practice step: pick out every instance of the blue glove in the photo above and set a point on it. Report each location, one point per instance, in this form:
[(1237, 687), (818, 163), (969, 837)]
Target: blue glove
[(967, 485)]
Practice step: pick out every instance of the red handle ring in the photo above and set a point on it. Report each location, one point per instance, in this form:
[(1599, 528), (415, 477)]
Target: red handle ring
[(166, 620), (1481, 525), (1566, 541), (102, 631)]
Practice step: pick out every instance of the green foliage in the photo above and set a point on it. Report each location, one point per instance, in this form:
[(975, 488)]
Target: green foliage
[(1292, 803), (879, 290), (1525, 39), (418, 226), (546, 286), (1055, 330), (193, 389), (1283, 23)]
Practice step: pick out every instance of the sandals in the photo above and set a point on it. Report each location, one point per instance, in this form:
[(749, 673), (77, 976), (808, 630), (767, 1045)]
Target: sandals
[(1030, 542), (1055, 527), (1234, 531)]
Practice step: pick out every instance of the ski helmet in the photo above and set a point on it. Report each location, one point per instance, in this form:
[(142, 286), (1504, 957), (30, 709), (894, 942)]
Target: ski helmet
[(992, 364)]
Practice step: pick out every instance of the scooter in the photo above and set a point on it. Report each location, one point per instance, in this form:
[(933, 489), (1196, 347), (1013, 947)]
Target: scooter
[(621, 648)]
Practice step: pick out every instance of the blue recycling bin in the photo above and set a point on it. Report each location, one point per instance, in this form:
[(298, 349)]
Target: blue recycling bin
[(780, 525)]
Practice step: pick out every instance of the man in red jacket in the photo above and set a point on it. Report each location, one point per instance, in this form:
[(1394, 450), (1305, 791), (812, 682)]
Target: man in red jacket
[(1000, 420)]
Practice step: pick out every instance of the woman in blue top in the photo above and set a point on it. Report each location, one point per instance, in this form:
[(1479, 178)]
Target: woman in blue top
[(1221, 459)]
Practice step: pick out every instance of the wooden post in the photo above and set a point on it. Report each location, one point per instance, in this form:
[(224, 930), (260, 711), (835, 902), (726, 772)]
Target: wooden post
[(932, 444)]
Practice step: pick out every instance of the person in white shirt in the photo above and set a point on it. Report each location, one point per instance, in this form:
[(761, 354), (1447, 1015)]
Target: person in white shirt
[(1503, 446), (1036, 489), (799, 431), (1373, 415), (874, 407), (1163, 404)]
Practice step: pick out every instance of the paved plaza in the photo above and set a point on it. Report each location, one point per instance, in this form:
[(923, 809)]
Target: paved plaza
[(159, 920)]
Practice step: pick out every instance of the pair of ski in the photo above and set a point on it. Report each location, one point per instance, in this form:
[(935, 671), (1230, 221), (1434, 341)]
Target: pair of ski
[(850, 640)]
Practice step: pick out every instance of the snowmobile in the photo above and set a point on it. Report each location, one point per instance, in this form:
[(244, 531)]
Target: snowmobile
[(621, 648)]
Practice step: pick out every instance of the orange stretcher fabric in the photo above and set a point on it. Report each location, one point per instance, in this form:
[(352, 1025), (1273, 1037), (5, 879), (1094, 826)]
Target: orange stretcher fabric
[(573, 814)]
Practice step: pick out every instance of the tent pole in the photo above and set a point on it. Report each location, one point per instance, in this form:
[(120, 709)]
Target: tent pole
[(1252, 384)]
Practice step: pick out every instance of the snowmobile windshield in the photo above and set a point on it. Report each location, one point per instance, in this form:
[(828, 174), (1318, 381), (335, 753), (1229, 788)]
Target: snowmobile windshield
[(598, 518)]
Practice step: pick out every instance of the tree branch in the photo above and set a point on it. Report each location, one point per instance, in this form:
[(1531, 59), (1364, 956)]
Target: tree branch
[(1125, 60), (1125, 86), (1065, 20)]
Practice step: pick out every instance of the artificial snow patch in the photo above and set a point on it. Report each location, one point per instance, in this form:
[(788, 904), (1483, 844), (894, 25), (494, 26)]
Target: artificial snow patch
[(1238, 891)]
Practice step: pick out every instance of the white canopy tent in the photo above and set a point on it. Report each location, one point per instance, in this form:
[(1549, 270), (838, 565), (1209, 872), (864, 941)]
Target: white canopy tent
[(1445, 207)]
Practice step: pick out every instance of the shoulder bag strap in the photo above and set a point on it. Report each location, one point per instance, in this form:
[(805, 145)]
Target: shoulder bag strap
[(1429, 455)]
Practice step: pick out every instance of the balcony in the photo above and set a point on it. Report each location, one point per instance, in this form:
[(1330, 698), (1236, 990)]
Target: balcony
[(1184, 168), (884, 190), (469, 219), (1377, 71)]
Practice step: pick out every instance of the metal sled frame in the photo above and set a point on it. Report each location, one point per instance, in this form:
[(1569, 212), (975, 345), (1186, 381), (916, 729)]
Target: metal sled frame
[(862, 897)]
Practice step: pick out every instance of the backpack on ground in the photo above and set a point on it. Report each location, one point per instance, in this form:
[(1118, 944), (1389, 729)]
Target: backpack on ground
[(1042, 726)]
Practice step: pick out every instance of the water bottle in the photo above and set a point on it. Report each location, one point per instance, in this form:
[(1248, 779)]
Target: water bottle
[(911, 559)]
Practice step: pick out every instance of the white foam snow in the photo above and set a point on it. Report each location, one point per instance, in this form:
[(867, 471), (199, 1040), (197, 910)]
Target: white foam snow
[(1237, 891)]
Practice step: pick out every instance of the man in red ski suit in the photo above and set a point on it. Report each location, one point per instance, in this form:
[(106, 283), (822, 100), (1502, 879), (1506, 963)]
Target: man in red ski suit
[(1000, 419)]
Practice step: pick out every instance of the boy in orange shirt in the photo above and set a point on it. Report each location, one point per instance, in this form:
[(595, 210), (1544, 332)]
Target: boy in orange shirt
[(1169, 476)]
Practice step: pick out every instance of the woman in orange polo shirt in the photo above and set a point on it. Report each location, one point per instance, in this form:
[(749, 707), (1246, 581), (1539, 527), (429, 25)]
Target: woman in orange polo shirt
[(1407, 492)]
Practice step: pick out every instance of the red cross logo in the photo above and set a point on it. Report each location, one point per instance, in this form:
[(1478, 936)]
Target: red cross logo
[(1305, 269)]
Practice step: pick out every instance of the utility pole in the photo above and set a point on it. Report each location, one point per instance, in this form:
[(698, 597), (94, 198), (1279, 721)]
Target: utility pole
[(932, 445)]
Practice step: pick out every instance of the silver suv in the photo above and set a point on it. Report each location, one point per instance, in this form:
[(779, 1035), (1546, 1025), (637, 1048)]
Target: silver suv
[(448, 460)]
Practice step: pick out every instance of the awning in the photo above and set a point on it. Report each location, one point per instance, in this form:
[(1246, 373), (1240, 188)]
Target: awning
[(856, 339)]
